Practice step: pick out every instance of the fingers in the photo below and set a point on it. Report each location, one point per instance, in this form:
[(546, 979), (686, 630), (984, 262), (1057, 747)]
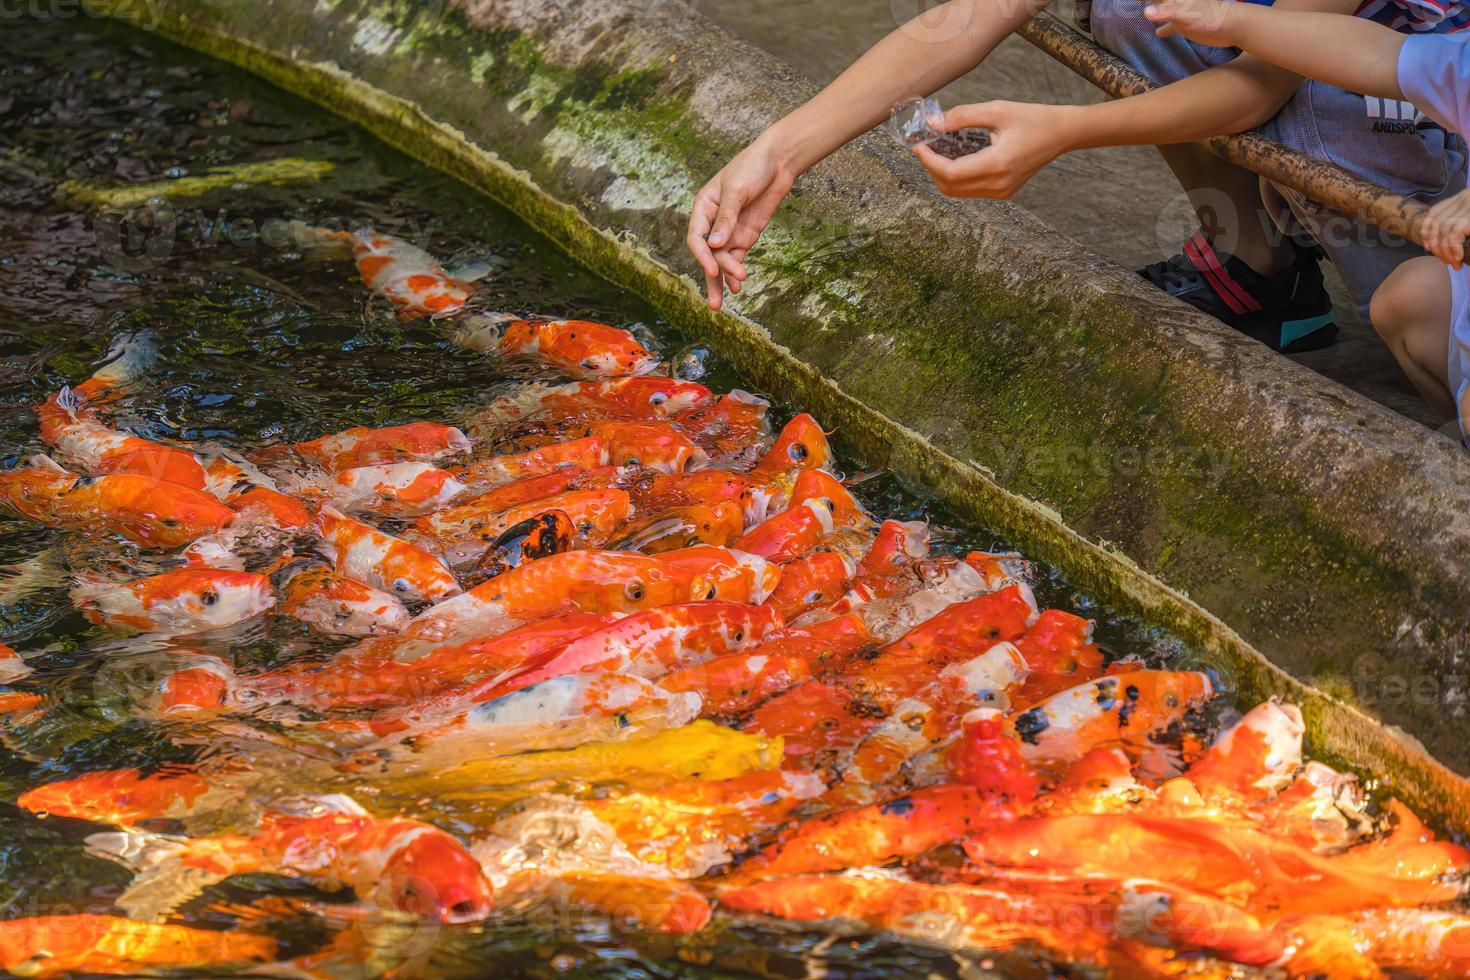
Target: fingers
[(975, 114), (731, 201), (700, 218)]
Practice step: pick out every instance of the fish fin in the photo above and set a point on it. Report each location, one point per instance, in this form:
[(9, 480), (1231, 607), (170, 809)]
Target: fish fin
[(471, 271), (70, 401), (129, 358), (41, 461), (41, 571), (162, 881), (481, 331)]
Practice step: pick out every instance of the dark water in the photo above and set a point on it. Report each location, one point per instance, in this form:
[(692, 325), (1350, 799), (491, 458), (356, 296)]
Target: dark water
[(259, 342)]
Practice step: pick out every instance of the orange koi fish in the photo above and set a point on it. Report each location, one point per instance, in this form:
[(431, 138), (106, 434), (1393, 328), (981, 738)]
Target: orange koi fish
[(68, 425), (654, 642), (362, 446), (144, 510), (69, 945), (407, 865), (638, 398), (683, 527), (1122, 709), (1421, 942), (1060, 654), (879, 833), (723, 573), (692, 825), (395, 489), (800, 445), (959, 632), (572, 457), (652, 445), (189, 600), (202, 687), (655, 493), (594, 515), (460, 520), (334, 604), (806, 583), (738, 682), (541, 536), (1256, 757), (730, 427), (121, 797), (364, 553), (407, 276), (579, 347), (988, 758)]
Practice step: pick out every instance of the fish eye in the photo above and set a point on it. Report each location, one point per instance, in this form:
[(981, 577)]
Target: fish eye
[(169, 522), (832, 507), (585, 527), (589, 364), (634, 590), (739, 636), (657, 398), (798, 452), (401, 585), (209, 597), (1171, 700), (711, 593)]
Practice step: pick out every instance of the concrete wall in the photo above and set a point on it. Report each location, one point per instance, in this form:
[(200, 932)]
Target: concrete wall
[(1162, 461)]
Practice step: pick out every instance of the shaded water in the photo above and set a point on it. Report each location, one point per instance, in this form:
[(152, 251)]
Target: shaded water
[(261, 343)]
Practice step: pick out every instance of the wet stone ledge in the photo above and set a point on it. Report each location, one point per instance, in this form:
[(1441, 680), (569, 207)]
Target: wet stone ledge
[(1161, 460)]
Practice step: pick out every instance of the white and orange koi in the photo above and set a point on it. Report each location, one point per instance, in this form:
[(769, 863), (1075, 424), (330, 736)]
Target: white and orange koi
[(364, 553), (188, 600)]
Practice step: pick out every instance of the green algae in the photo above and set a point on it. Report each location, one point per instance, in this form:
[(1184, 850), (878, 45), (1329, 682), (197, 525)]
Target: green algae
[(288, 170)]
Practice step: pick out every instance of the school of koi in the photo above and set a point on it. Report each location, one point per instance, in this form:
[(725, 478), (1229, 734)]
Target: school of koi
[(677, 670)]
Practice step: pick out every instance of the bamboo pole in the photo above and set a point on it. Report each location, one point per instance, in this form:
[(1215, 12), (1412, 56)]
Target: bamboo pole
[(1317, 179)]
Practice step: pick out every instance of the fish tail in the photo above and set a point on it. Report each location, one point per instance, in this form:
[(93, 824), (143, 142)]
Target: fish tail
[(162, 881), (42, 571)]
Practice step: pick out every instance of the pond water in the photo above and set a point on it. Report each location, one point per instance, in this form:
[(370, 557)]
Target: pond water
[(260, 343)]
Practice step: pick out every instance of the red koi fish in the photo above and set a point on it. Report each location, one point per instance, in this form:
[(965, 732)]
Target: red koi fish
[(409, 866), (70, 945), (573, 456), (1060, 654), (1421, 942), (683, 527), (460, 520), (185, 601), (364, 553), (818, 579), (396, 489), (819, 504), (728, 429), (652, 445), (638, 398), (122, 797)]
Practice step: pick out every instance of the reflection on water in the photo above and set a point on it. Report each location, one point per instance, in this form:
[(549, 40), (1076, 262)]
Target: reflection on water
[(146, 189)]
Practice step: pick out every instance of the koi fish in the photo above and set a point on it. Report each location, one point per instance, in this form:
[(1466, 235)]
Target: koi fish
[(148, 512), (819, 504), (658, 905), (404, 274), (637, 398), (364, 553), (729, 428), (1059, 654), (395, 489), (189, 600), (987, 757), (800, 445), (362, 446), (409, 866), (1257, 756), (13, 666), (594, 516), (698, 750), (879, 833), (683, 527), (463, 520), (68, 945), (581, 348), (70, 426), (652, 643), (571, 457), (737, 682), (122, 797), (333, 604), (1125, 709), (1422, 942), (806, 583), (652, 445)]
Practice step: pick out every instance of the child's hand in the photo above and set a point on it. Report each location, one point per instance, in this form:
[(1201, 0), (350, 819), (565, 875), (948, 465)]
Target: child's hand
[(1202, 21), (1023, 138), (1446, 227), (730, 213)]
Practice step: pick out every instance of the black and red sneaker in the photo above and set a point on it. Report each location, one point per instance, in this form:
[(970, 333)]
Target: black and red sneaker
[(1288, 312)]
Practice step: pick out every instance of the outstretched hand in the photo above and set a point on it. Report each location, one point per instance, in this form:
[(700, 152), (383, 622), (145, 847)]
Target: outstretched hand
[(731, 212), (1446, 227), (1206, 22)]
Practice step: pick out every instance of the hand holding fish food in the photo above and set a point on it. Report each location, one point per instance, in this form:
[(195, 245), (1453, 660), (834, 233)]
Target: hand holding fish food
[(629, 652)]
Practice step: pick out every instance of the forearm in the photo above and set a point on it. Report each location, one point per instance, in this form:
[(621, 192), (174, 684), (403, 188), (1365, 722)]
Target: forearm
[(920, 57), (1349, 52), (1229, 98)]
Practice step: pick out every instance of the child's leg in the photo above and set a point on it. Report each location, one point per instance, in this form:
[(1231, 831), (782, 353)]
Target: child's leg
[(1411, 312)]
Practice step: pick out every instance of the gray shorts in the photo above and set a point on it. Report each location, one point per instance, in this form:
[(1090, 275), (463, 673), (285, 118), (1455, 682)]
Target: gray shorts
[(1390, 143)]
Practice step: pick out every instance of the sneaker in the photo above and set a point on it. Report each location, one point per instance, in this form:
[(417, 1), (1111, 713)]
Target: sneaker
[(1288, 312)]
